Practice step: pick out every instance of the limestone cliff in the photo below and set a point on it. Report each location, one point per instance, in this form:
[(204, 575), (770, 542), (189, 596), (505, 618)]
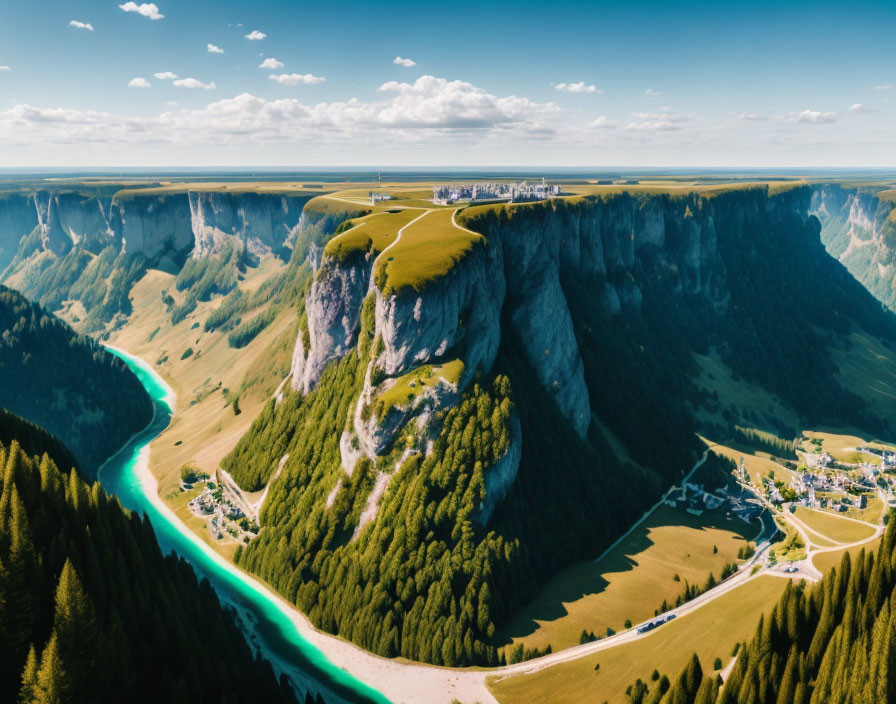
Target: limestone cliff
[(516, 283), (48, 238), (859, 228)]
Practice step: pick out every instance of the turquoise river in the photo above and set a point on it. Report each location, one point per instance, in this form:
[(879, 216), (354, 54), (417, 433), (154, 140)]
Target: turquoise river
[(267, 625)]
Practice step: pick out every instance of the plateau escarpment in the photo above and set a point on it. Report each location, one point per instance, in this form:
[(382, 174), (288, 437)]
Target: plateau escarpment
[(458, 432), (92, 247), (859, 229)]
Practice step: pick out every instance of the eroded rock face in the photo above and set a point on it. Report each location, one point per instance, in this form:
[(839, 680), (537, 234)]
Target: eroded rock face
[(859, 229), (152, 224), (517, 283), (333, 309), (459, 311), (263, 221)]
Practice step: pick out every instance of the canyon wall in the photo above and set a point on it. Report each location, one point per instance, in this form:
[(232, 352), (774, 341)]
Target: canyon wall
[(516, 284), (859, 229)]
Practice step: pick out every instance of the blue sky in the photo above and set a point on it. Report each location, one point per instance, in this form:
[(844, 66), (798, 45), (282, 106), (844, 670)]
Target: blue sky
[(515, 83)]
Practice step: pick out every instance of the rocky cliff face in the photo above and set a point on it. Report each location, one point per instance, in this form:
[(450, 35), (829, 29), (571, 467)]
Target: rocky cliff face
[(264, 221), (516, 284), (159, 228), (859, 228)]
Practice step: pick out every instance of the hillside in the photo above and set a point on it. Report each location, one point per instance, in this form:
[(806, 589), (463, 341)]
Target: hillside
[(415, 506), (830, 642), (66, 383), (90, 609)]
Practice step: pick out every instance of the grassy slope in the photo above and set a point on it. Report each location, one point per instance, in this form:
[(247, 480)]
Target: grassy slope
[(268, 187), (711, 631), (755, 464), (427, 250), (843, 447), (632, 580), (752, 399), (869, 369), (371, 232), (411, 384), (204, 424)]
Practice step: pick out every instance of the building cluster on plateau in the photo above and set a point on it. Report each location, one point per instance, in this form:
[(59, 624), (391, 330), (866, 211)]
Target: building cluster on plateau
[(521, 192)]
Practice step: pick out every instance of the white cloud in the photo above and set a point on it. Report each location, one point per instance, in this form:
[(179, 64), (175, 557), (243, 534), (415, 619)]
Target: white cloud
[(651, 93), (752, 116), (295, 79), (5, 68), (194, 83), (663, 121), (812, 117), (165, 75), (603, 122), (428, 109), (437, 102), (884, 87), (407, 63), (212, 49), (81, 25), (860, 107), (579, 87), (139, 83), (255, 35), (271, 63), (147, 9)]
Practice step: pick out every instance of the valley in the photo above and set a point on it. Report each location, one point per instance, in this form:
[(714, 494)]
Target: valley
[(370, 394)]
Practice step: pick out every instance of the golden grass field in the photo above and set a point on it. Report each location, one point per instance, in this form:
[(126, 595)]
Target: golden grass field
[(371, 232), (428, 249), (755, 464), (824, 561), (830, 525), (711, 631), (631, 581), (843, 448)]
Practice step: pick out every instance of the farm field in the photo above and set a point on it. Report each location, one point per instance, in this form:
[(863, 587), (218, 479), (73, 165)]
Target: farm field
[(824, 561), (632, 581), (711, 631), (832, 526)]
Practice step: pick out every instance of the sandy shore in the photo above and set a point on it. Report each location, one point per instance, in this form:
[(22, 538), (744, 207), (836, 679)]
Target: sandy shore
[(400, 682)]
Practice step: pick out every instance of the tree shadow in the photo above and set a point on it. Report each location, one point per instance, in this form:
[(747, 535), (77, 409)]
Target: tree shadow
[(590, 578)]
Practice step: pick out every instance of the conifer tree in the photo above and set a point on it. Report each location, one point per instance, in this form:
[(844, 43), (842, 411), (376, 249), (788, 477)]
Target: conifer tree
[(52, 681), (28, 691)]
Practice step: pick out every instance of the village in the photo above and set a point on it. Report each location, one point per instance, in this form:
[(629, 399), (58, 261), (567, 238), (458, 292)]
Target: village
[(694, 499), (820, 482), (522, 192), (217, 507)]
